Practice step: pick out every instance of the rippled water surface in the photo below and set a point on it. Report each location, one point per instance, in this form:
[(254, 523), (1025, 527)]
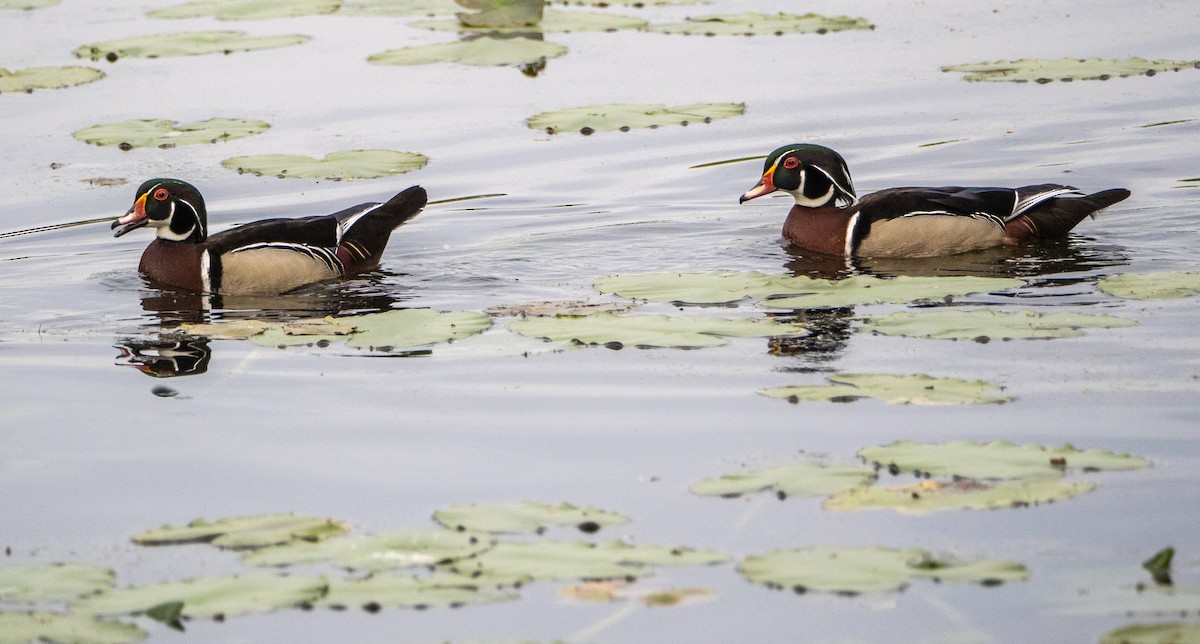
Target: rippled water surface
[(91, 456)]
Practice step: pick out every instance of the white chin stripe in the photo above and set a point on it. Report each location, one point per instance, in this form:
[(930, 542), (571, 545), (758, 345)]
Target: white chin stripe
[(801, 200)]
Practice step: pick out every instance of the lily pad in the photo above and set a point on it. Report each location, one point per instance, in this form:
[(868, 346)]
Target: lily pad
[(551, 22), (412, 328), (484, 52), (244, 532), (375, 552), (1115, 596), (567, 560), (211, 596), (146, 133), (561, 307), (398, 8), (853, 571), (192, 43), (984, 324), (247, 9), (706, 287), (1151, 286), (915, 389), (298, 333), (651, 330), (345, 164), (65, 628), (751, 24), (523, 516), (1067, 69), (865, 289), (27, 4), (499, 14), (396, 591), (618, 116), (51, 582), (27, 80), (995, 460), (228, 330), (964, 494), (802, 478), (1169, 633)]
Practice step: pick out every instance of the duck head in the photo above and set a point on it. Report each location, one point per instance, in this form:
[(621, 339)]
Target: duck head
[(814, 175), (172, 207)]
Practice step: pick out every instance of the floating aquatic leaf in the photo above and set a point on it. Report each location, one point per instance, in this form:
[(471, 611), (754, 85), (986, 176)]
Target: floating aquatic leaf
[(1151, 286), (51, 582), (193, 43), (247, 9), (653, 555), (1168, 633), (27, 4), (375, 552), (345, 164), (984, 324), (706, 287), (484, 52), (562, 307), (523, 516), (618, 116), (851, 570), (566, 560), (412, 328), (1067, 69), (244, 532), (146, 133), (963, 494), (500, 14), (211, 596), (865, 289), (802, 478), (750, 24), (651, 330), (551, 22), (995, 460), (228, 330), (634, 4), (915, 389), (398, 8), (27, 80), (383, 590), (65, 628), (298, 333), (675, 596)]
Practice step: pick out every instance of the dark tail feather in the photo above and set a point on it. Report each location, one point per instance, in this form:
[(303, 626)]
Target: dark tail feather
[(1054, 218), (362, 245)]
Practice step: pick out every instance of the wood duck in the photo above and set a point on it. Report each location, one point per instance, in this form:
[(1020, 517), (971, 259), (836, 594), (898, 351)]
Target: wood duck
[(264, 257), (829, 218)]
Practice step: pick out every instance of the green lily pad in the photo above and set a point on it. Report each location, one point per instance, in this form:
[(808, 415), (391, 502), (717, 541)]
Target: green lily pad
[(298, 333), (483, 52), (396, 591), (1067, 69), (624, 117), (375, 552), (1151, 286), (556, 308), (192, 43), (65, 628), (915, 389), (551, 22), (964, 494), (145, 133), (853, 571), (1114, 595), (228, 330), (509, 563), (524, 516), (412, 328), (27, 80), (802, 478), (51, 582), (27, 4), (499, 14), (247, 9), (707, 287), (1169, 633), (244, 532), (345, 164), (211, 596), (995, 460), (751, 24), (985, 324), (865, 289), (651, 330), (398, 8)]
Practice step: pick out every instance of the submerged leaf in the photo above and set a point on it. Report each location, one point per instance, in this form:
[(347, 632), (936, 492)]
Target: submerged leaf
[(27, 80), (985, 324), (1066, 69), (146, 133), (192, 43), (617, 116), (896, 389), (484, 52), (651, 330), (247, 9), (802, 478), (52, 582), (750, 24), (1151, 286), (963, 494), (211, 596), (65, 628), (375, 552), (522, 516), (995, 460), (245, 531), (383, 590), (552, 22), (345, 164)]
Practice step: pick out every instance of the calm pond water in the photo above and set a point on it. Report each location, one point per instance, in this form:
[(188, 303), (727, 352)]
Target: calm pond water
[(91, 456)]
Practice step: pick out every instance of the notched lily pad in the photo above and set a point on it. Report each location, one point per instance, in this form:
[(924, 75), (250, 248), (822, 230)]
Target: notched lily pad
[(65, 628), (983, 325), (896, 389), (651, 330), (484, 52), (345, 164), (551, 22), (561, 307), (802, 478), (247, 9), (383, 590), (192, 43), (854, 571), (244, 532), (567, 560), (375, 552), (617, 116), (51, 582), (1067, 69), (751, 24), (147, 133), (1152, 286), (962, 494), (27, 80), (995, 460), (524, 516), (211, 596)]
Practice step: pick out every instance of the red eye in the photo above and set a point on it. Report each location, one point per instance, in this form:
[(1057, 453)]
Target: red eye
[(790, 162), (161, 194)]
